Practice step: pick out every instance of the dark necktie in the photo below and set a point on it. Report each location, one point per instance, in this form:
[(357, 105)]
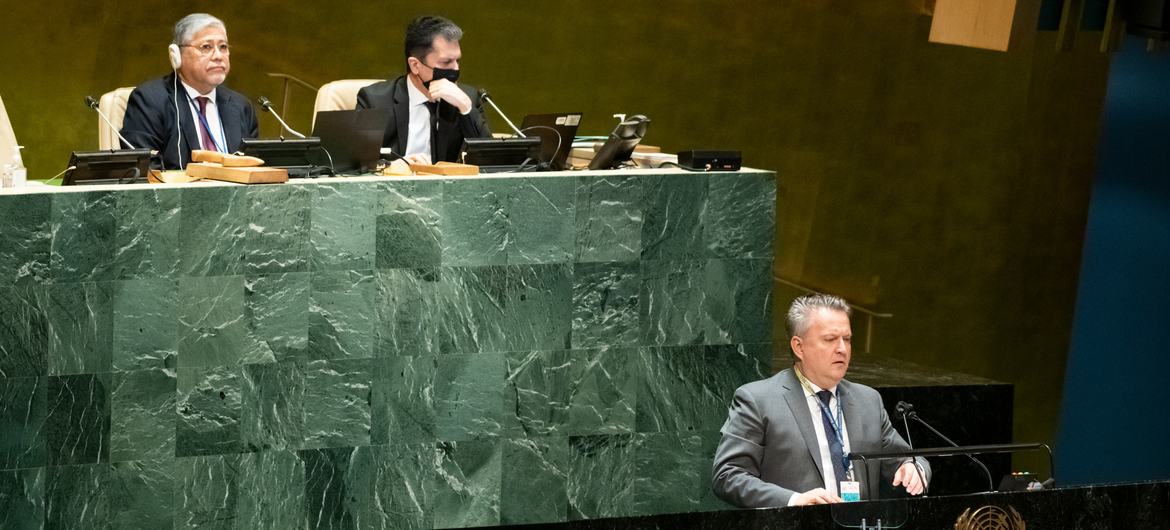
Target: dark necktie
[(433, 107), (204, 134), (835, 450)]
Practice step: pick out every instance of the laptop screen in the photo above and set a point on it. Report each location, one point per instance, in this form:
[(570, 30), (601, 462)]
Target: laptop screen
[(353, 138), (556, 132)]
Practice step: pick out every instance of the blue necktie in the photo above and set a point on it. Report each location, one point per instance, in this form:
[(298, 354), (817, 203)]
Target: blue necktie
[(835, 449)]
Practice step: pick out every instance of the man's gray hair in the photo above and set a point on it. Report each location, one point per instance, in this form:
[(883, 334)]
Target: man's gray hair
[(803, 307), (188, 26)]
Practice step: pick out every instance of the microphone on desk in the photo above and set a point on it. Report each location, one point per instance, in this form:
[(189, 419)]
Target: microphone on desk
[(267, 106), (484, 96), (906, 410), (93, 104)]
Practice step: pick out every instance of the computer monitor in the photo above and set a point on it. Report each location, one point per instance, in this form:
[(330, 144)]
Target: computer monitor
[(353, 138), (556, 132), (298, 155), (494, 155), (621, 143), (114, 166)]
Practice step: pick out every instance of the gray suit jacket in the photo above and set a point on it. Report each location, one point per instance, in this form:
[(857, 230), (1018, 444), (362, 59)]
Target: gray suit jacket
[(769, 450)]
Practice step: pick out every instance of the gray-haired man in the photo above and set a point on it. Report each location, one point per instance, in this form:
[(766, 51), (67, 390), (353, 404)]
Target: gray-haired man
[(787, 438), (189, 108)]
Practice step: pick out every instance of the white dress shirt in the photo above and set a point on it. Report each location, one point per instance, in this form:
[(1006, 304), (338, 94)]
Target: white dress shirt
[(212, 114), (418, 138), (814, 408)]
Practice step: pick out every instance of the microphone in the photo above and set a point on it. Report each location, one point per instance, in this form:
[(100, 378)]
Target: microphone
[(267, 106), (907, 411), (484, 96), (93, 104)]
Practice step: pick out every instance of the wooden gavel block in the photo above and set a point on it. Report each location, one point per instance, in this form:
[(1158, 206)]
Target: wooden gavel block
[(225, 160)]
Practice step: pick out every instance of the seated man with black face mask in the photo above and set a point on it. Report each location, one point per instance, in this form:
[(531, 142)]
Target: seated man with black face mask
[(430, 114)]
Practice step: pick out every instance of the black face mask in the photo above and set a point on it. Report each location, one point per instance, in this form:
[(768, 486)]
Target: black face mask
[(442, 73)]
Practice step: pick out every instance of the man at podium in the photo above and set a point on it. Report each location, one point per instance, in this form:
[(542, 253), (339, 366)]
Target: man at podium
[(189, 108), (430, 114), (787, 438)]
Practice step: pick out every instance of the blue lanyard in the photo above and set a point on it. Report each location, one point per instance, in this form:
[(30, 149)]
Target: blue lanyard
[(846, 464), (206, 125)]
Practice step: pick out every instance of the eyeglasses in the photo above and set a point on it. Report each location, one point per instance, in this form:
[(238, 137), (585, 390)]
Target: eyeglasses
[(207, 48)]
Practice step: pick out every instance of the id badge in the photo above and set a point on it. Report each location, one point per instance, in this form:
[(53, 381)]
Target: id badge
[(850, 490)]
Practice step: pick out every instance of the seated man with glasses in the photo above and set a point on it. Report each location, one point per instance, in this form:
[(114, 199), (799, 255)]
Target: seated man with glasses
[(189, 108), (430, 114)]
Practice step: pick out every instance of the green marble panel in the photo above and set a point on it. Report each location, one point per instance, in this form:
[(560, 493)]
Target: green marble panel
[(83, 227), (467, 485), (609, 218), (605, 304), (277, 236), (209, 402), (343, 226), (23, 409), (708, 502), (667, 470), (277, 312), (207, 492), (271, 486), (140, 494), (739, 300), (146, 236), (272, 415), (81, 328), (538, 307), (686, 388), (403, 400), (142, 418), (336, 488), (740, 219), (22, 498), (469, 396), (26, 241), (212, 329), (408, 312), (77, 427), (471, 310), (673, 304), (541, 214), (537, 392), (24, 331), (673, 206), (145, 324), (602, 475), (603, 391), (212, 228), (337, 403), (341, 315), (402, 484), (534, 480), (475, 221), (75, 496), (408, 231)]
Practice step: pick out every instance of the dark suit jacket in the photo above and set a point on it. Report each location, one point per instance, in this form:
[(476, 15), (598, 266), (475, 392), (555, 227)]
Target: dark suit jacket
[(769, 450), (150, 120), (450, 129)]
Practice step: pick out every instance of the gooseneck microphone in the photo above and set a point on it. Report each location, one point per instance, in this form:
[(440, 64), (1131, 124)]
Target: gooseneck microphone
[(267, 106), (484, 96), (906, 410), (93, 104)]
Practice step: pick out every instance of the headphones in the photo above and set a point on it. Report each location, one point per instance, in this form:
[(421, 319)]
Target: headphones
[(176, 56)]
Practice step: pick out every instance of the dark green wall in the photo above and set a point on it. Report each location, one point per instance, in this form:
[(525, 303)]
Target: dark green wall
[(946, 185)]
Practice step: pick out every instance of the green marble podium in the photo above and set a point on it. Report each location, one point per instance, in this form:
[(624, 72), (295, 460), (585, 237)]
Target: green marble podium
[(376, 352)]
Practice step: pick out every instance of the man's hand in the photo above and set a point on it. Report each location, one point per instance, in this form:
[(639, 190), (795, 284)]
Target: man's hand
[(418, 158), (815, 496), (442, 89), (910, 477)]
